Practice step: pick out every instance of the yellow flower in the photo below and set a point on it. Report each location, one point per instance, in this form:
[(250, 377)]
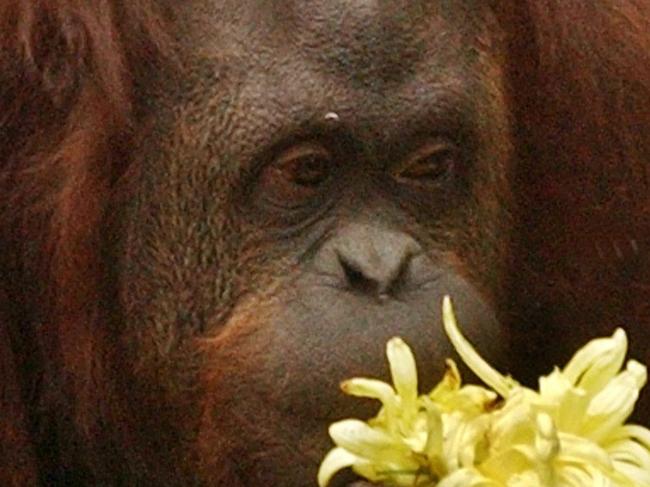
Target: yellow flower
[(414, 440), (571, 432)]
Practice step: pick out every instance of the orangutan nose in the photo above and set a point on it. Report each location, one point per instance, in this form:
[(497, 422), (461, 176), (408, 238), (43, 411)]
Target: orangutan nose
[(371, 260)]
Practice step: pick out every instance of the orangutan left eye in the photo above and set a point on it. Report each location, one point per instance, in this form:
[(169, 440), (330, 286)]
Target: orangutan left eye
[(429, 164), (296, 175)]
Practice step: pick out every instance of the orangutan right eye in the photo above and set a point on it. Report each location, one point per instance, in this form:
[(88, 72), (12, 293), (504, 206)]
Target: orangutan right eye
[(296, 176)]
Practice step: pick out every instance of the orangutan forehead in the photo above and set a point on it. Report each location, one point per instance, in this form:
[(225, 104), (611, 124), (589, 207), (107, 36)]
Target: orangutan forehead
[(398, 27), (363, 37), (377, 10), (384, 66), (349, 31), (369, 44)]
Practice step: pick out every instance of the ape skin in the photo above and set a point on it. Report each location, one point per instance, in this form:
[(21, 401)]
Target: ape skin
[(214, 211)]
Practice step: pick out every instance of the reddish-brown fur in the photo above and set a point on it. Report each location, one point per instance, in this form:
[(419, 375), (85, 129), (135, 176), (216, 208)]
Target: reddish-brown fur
[(66, 113), (580, 74), (584, 194)]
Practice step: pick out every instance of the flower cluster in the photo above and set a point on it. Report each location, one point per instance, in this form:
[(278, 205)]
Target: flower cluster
[(571, 432)]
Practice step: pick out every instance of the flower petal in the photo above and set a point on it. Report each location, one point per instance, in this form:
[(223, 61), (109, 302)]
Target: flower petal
[(370, 388), (634, 432), (470, 399), (505, 464), (630, 453), (466, 477), (529, 478), (547, 443), (403, 370), (636, 477), (595, 364), (501, 384), (579, 450), (614, 404), (365, 441), (335, 460), (434, 444)]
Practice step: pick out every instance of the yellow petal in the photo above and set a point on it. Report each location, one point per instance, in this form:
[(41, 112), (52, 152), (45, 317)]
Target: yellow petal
[(595, 364), (547, 443), (451, 380), (335, 460), (629, 456), (629, 452), (466, 478), (514, 423), (433, 446), (632, 432), (501, 384), (528, 478), (554, 386), (629, 448), (473, 443), (572, 409), (394, 474), (470, 399), (365, 441), (614, 404), (358, 437), (505, 464), (636, 477), (403, 370), (580, 450), (583, 476), (371, 388)]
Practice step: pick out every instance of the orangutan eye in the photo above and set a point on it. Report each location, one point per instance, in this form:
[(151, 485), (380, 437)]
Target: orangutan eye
[(296, 175), (429, 164)]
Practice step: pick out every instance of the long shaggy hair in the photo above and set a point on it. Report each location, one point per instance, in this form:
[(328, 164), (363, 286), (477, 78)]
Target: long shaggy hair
[(69, 93)]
